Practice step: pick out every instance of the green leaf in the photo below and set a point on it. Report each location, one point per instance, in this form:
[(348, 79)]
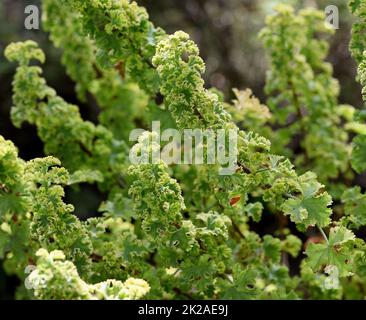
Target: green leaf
[(272, 248), (337, 253), (89, 176), (292, 245), (359, 153), (312, 206), (240, 287), (254, 211), (355, 207)]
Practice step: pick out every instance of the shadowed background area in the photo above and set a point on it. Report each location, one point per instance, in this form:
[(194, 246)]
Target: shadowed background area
[(226, 32)]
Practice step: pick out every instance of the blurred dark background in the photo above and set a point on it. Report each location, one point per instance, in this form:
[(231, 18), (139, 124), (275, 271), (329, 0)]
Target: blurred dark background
[(226, 32)]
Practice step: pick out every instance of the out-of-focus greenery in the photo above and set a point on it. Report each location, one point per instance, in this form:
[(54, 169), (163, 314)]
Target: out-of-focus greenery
[(227, 34)]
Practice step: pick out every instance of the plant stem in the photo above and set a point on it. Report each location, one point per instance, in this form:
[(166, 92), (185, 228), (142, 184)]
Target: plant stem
[(323, 234)]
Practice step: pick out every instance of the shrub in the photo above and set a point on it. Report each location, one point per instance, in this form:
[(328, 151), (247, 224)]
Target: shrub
[(179, 231)]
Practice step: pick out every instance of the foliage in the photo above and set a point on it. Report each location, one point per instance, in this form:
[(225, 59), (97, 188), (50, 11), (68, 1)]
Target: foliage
[(180, 232), (357, 48), (59, 279), (301, 83)]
